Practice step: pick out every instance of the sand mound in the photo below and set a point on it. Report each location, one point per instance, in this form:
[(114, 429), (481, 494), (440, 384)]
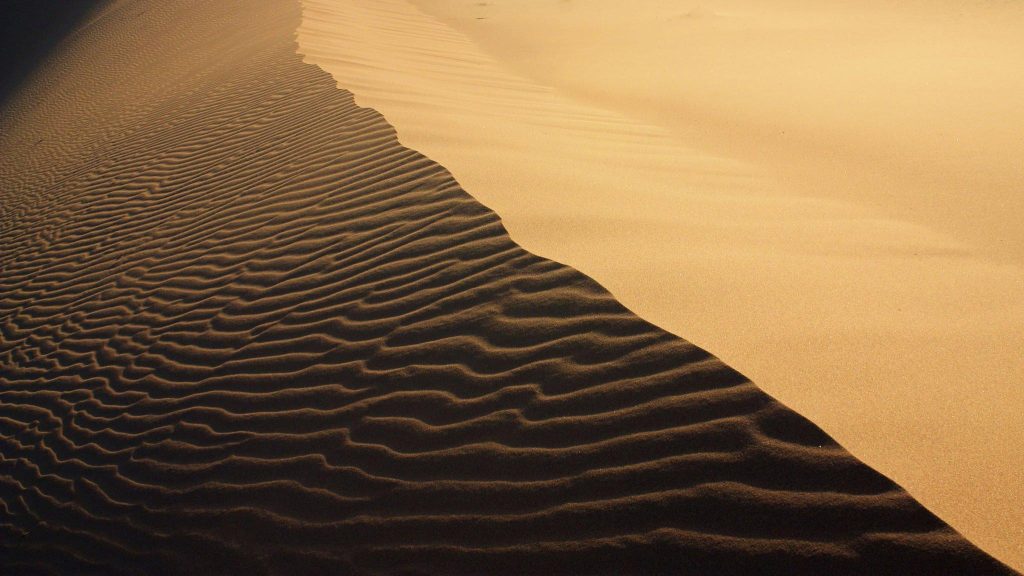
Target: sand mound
[(243, 330)]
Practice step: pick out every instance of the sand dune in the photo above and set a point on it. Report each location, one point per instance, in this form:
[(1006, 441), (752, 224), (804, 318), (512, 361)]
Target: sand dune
[(822, 193), (243, 330)]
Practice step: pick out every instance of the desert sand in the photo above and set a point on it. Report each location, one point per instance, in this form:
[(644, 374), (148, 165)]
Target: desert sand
[(244, 330), (826, 195)]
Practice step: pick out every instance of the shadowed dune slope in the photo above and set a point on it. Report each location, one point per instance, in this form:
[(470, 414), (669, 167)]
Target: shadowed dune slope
[(243, 330)]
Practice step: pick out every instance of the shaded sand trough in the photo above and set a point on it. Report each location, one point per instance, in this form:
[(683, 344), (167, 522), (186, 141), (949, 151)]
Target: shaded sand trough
[(826, 194), (243, 330)]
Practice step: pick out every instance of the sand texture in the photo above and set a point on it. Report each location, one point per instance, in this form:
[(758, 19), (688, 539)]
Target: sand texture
[(825, 194), (243, 330)]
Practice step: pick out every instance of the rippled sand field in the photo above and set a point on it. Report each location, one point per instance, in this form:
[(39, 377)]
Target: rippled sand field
[(244, 330)]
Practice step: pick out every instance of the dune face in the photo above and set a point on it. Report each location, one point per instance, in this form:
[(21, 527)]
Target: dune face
[(904, 105), (825, 194), (244, 331)]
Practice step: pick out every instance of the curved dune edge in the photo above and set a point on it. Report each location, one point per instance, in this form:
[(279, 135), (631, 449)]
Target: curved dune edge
[(901, 341), (243, 330)]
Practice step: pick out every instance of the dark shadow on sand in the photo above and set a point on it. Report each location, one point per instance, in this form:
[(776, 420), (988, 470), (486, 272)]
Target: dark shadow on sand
[(30, 30)]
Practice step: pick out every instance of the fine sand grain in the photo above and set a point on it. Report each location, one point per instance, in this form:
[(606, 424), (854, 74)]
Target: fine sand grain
[(826, 194), (244, 331)]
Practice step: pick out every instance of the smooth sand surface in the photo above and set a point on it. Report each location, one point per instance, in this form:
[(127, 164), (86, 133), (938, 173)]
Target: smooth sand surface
[(244, 331), (826, 195)]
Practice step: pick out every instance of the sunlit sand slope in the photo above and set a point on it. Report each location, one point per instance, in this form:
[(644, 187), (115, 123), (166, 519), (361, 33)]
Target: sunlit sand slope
[(243, 330), (812, 189)]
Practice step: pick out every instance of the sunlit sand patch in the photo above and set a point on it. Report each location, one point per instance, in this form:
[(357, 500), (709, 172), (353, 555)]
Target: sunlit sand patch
[(760, 181)]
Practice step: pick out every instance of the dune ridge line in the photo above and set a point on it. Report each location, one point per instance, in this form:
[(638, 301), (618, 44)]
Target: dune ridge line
[(244, 331)]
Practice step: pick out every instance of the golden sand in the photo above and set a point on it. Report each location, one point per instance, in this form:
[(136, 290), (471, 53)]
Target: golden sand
[(825, 196)]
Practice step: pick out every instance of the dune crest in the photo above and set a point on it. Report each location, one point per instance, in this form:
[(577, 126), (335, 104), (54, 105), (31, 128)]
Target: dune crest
[(244, 331), (899, 335)]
